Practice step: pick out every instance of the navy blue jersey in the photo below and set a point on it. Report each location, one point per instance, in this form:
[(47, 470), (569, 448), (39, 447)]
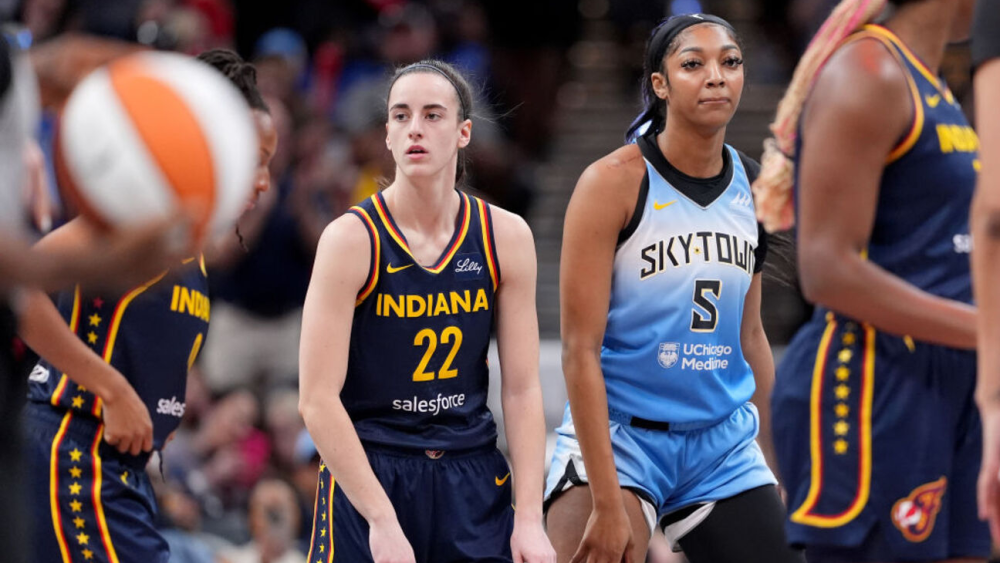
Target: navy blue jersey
[(151, 334), (417, 375), (921, 228)]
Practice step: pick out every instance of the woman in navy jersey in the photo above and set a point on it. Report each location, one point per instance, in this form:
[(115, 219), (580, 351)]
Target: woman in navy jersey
[(664, 354), (110, 387), (405, 291), (877, 435), (986, 252)]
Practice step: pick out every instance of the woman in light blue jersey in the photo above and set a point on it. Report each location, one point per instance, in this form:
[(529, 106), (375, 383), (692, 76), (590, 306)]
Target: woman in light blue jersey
[(663, 347)]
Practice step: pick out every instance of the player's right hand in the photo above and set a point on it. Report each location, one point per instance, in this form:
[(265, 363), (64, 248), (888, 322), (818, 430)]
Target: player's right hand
[(388, 544), (988, 490), (127, 425), (607, 538)]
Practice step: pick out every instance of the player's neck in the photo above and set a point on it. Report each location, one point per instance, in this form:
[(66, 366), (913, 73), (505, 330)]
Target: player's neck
[(925, 28), (697, 155), (426, 207)]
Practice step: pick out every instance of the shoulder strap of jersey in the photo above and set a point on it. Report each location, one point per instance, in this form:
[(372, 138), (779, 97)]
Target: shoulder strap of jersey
[(363, 212), (489, 242), (898, 51)]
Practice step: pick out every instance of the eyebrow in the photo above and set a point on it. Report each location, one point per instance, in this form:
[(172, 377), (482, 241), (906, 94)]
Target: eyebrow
[(426, 106), (729, 47)]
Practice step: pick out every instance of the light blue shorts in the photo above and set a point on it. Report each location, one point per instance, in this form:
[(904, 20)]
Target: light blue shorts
[(670, 470)]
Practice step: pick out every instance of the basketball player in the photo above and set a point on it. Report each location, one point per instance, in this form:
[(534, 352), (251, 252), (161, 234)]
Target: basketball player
[(111, 388), (877, 434), (663, 346), (986, 252), (405, 290)]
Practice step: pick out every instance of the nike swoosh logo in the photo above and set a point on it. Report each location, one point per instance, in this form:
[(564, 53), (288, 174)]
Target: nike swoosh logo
[(500, 481), (934, 100), (392, 270), (658, 206)]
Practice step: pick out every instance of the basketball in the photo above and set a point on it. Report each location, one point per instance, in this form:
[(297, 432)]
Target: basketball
[(154, 133)]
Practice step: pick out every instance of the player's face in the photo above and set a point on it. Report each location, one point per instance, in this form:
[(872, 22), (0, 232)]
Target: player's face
[(703, 79), (424, 129), (267, 135)]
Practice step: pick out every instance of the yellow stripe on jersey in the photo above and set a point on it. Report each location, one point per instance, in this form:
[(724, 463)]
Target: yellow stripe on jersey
[(376, 251), (487, 243)]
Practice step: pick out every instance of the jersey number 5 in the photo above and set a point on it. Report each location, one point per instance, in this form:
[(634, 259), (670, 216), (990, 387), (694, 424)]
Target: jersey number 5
[(450, 335), (699, 322)]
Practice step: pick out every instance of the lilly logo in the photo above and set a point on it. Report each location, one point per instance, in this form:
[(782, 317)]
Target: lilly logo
[(668, 353), (915, 514)]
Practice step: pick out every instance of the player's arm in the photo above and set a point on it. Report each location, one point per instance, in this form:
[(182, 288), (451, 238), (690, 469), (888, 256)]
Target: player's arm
[(597, 212), (521, 394), (127, 422), (986, 272), (757, 351), (856, 113), (340, 271)]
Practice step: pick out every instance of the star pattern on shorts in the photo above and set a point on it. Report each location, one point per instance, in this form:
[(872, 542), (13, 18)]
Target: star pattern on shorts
[(92, 337), (840, 428), (843, 373), (82, 538), (842, 410), (95, 320), (79, 522), (848, 338), (840, 446), (76, 454), (88, 555), (77, 404), (76, 506), (845, 355), (74, 488), (842, 391)]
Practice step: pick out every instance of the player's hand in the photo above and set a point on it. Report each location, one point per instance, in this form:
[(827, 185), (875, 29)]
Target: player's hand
[(607, 538), (988, 492), (388, 544), (529, 544), (127, 425)]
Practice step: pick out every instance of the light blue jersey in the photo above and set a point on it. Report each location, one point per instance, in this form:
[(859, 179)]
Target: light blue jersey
[(671, 350)]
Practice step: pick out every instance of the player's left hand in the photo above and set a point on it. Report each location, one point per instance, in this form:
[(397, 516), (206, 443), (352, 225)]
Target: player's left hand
[(988, 491), (529, 543)]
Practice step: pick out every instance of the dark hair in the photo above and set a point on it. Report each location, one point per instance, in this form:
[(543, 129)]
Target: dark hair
[(242, 74), (663, 42), (462, 91)]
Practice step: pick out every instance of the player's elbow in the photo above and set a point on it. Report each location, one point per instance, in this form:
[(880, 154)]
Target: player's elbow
[(818, 276)]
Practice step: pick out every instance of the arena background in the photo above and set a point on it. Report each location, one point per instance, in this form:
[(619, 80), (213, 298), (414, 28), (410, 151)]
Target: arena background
[(558, 84)]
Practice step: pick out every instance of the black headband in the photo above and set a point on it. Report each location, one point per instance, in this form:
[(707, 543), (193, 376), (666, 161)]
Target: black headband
[(671, 28), (417, 67)]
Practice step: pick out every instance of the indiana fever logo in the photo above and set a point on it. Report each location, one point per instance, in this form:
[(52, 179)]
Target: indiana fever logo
[(915, 514)]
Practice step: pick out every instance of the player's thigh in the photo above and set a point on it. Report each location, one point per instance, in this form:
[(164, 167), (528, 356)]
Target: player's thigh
[(567, 516), (746, 528)]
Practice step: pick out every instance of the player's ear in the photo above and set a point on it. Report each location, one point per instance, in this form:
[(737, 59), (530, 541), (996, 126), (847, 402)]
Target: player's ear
[(465, 134)]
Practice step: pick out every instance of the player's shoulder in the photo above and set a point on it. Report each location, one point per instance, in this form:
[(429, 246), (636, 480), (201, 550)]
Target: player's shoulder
[(623, 166), (509, 228), (865, 70), (345, 234)]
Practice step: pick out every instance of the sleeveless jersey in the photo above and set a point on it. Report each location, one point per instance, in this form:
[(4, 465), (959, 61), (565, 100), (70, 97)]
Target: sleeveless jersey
[(151, 334), (417, 373), (671, 350), (921, 228)]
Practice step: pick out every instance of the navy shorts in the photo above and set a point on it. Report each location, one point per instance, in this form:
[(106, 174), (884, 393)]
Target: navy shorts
[(453, 507), (90, 504), (879, 443)]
